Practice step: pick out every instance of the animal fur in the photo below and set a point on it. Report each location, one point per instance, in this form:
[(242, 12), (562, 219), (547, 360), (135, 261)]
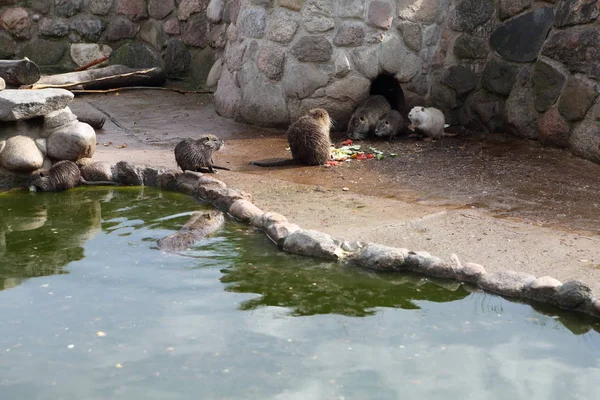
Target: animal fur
[(309, 140), (63, 175), (390, 125), (365, 118), (198, 226), (429, 121), (197, 154)]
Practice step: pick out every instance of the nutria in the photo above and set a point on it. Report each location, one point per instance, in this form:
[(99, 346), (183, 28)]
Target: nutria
[(198, 226), (429, 121), (309, 140), (63, 175), (390, 125), (197, 154), (365, 117)]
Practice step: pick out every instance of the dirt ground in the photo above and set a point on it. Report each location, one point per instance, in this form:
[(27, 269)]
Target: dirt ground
[(502, 202)]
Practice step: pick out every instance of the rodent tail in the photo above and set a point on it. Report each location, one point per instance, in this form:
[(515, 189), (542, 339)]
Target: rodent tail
[(274, 162), (97, 183)]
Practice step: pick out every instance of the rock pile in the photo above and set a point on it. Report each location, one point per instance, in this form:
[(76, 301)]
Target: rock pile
[(36, 128)]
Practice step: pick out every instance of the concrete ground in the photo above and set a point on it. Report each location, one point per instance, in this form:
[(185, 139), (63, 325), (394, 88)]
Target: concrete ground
[(501, 202)]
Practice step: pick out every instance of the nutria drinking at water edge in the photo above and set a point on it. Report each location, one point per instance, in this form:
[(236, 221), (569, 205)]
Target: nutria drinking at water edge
[(309, 140), (63, 175)]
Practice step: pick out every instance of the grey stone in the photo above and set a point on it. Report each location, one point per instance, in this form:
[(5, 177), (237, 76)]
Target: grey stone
[(187, 8), (72, 141), (508, 8), (301, 80), (349, 33), (16, 21), (573, 294), (58, 118), (136, 55), (128, 174), (121, 28), (97, 171), (8, 46), (252, 22), (100, 7), (574, 12), (499, 76), (411, 34), (548, 82), (577, 48), (553, 128), (171, 27), (234, 55), (2, 84), (282, 26), (89, 27), (21, 154), (418, 85), (217, 38), (411, 66), (470, 47), (542, 289), (421, 261), (312, 243), (45, 52), (380, 14), (270, 61), (424, 11), (443, 97), (195, 31), (312, 49), (263, 103), (506, 283), (279, 231), (585, 137), (366, 61), (353, 87), (460, 78), (379, 257), (295, 5), (315, 22), (25, 104), (431, 35), (214, 74), (223, 198), (152, 32), (67, 8), (466, 15), (522, 38), (134, 9), (520, 112), (41, 6), (341, 64), (243, 210), (214, 11), (350, 8), (470, 272), (56, 27), (202, 60), (177, 58), (577, 97), (262, 221), (158, 9)]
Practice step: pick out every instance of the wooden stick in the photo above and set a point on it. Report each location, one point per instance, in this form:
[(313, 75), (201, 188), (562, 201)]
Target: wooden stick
[(83, 91), (68, 85), (91, 64)]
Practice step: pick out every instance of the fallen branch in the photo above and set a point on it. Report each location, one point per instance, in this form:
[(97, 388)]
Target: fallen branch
[(83, 91), (91, 64), (143, 72)]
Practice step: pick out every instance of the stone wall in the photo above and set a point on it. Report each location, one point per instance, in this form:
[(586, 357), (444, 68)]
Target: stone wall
[(185, 36), (525, 66)]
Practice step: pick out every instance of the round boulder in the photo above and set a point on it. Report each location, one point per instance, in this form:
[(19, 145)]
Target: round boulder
[(72, 141), (21, 154)]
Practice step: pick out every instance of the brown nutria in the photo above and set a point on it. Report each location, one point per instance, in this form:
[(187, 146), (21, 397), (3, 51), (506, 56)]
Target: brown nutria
[(198, 226), (390, 125), (197, 154), (363, 121), (63, 175), (309, 140)]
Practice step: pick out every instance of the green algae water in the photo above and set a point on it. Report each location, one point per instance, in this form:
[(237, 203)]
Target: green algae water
[(91, 309)]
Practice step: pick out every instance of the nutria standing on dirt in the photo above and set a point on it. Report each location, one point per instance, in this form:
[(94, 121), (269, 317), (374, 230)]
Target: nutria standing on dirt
[(429, 121), (197, 154), (63, 175), (390, 125), (365, 117), (309, 140)]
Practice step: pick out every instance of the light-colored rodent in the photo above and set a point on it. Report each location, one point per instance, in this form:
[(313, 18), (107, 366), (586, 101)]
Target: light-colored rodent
[(427, 120)]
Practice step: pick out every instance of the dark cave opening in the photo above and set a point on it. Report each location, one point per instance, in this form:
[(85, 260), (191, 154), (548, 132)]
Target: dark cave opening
[(387, 86)]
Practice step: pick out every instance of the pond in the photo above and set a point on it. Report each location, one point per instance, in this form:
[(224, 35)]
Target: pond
[(91, 309)]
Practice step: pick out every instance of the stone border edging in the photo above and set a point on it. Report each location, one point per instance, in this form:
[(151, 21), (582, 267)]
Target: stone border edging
[(573, 295)]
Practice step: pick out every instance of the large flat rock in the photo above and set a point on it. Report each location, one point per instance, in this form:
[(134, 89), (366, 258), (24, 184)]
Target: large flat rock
[(18, 104)]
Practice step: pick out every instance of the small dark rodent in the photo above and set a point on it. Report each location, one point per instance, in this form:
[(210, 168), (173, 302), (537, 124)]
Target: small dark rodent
[(63, 175), (197, 154)]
